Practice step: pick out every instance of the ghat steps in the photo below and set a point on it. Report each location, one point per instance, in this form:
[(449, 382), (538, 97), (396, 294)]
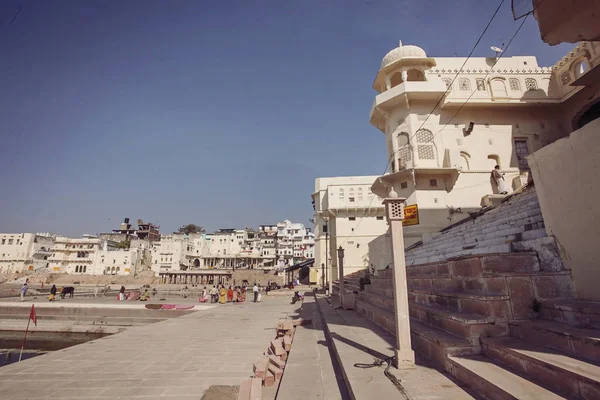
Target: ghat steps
[(503, 322)]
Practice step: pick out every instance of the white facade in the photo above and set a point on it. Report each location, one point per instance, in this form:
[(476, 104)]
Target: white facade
[(295, 243), (493, 115), (347, 214), (24, 251)]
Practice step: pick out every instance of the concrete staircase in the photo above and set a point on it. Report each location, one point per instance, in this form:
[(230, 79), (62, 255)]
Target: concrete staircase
[(505, 323), (515, 225)]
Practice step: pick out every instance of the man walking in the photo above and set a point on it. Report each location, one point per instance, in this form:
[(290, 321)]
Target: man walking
[(255, 291), (24, 290)]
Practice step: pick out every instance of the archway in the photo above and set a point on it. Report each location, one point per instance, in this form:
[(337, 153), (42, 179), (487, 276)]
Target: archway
[(396, 79), (196, 263), (415, 75)]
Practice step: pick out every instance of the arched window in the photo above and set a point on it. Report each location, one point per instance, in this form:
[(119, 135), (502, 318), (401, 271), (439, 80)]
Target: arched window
[(76, 268), (414, 75), (341, 194), (425, 144), (531, 84), (118, 269), (448, 83), (464, 160), (514, 84), (396, 79), (84, 268), (404, 149), (499, 87), (580, 68), (464, 84), (480, 85)]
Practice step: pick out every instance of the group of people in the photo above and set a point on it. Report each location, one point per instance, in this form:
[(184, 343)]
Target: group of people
[(233, 294)]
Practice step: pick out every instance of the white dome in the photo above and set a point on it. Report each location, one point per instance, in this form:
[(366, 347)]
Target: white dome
[(401, 52)]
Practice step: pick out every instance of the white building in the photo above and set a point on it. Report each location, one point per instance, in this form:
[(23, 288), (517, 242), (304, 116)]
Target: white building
[(496, 112), (347, 214), (24, 251), (294, 243), (91, 255)]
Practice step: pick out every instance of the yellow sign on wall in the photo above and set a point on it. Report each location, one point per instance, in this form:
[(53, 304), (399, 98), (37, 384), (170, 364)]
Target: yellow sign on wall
[(411, 215), (55, 268), (127, 270)]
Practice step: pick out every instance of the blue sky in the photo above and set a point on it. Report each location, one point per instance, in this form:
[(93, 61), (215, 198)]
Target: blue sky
[(219, 113)]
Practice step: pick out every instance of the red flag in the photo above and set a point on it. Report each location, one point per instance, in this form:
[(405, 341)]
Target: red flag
[(32, 315)]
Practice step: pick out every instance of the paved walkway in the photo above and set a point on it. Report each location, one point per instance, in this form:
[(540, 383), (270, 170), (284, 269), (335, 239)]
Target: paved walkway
[(309, 371), (177, 358), (358, 340)]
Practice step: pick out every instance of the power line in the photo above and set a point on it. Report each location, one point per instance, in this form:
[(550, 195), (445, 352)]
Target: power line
[(436, 105), (486, 75), (449, 87)]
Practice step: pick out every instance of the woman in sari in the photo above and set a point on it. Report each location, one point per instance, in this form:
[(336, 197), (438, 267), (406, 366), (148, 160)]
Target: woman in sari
[(229, 295), (222, 295), (203, 298)]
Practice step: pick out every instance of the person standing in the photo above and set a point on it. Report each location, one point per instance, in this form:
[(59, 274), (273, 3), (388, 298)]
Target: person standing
[(52, 293), (498, 177), (24, 289), (223, 295), (255, 291)]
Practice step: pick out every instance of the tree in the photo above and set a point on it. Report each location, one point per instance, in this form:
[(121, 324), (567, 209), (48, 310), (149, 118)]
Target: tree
[(191, 228), (123, 244)]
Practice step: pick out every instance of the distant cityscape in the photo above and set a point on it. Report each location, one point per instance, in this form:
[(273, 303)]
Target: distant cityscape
[(131, 250)]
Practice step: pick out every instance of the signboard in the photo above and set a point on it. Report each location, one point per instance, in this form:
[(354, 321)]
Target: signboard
[(411, 215)]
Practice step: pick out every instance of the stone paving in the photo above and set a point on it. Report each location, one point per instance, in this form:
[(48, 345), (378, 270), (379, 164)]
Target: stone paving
[(177, 358), (358, 340), (309, 371)]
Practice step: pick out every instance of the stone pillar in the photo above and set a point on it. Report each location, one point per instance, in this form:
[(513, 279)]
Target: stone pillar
[(340, 253), (404, 355)]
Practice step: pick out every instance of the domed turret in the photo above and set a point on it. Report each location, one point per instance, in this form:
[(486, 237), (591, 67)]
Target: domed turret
[(402, 52)]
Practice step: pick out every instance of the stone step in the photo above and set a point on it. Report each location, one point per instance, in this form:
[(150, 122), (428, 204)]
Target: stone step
[(496, 306), (550, 368), (385, 302), (494, 382), (575, 313), (496, 284), (436, 344), (462, 325), (484, 232), (584, 343), (386, 291), (381, 316), (526, 219), (489, 264)]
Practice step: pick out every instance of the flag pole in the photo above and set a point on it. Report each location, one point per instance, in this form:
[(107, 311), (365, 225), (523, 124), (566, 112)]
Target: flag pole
[(31, 316), (23, 345)]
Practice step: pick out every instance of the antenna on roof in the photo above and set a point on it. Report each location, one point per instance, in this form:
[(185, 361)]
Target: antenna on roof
[(498, 50)]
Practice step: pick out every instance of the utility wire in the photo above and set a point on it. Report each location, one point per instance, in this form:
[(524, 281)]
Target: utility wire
[(434, 108), (449, 88)]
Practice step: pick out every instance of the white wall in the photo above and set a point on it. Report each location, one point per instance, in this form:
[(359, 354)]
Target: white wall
[(565, 176)]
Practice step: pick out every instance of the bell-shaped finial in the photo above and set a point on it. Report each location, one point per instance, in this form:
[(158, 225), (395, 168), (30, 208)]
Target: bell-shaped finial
[(400, 43)]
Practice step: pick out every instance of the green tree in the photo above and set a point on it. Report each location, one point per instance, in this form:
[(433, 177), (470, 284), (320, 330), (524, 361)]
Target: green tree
[(191, 228), (123, 244)]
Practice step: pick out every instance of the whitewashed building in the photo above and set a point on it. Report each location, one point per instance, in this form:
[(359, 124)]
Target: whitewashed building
[(350, 215), (496, 111), (294, 243), (25, 251), (91, 255)]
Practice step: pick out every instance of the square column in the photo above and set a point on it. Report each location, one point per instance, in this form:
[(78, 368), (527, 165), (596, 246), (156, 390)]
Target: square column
[(404, 355)]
